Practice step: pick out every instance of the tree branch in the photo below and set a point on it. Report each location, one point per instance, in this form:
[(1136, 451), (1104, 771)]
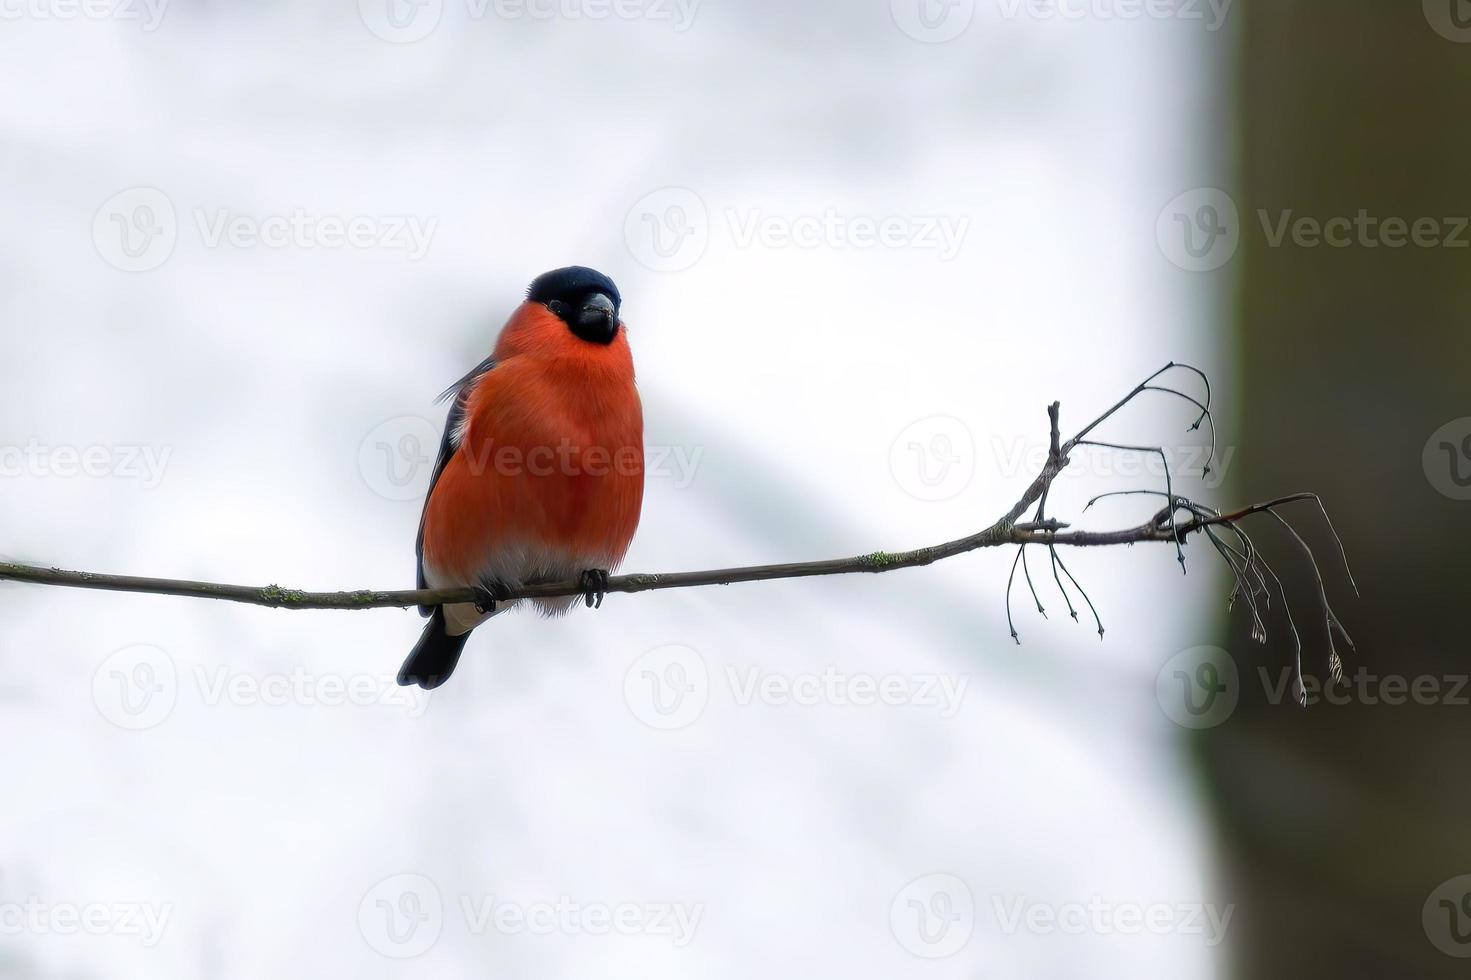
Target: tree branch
[(1163, 527), (277, 597)]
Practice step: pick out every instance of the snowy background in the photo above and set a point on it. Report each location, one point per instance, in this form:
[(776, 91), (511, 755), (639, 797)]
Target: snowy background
[(861, 245)]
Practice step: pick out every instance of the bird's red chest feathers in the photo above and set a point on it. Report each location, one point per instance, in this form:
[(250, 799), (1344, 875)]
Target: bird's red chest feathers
[(550, 460)]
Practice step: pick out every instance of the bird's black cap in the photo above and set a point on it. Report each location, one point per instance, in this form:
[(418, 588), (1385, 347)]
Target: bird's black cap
[(571, 284), (583, 298)]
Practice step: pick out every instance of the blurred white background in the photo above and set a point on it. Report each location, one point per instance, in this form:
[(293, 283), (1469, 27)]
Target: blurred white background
[(861, 245)]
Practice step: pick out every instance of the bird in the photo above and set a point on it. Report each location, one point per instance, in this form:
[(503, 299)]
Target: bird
[(540, 472)]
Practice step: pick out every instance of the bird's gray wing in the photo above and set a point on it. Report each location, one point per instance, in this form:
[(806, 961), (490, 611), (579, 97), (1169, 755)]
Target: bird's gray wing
[(459, 395)]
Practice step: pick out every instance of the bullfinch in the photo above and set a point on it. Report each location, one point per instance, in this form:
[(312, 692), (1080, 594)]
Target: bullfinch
[(540, 475)]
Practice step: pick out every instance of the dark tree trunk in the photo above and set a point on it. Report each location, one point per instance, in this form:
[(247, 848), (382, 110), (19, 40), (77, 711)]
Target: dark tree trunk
[(1339, 822)]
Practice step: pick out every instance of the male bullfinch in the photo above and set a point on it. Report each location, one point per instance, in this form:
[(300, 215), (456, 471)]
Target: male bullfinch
[(540, 475)]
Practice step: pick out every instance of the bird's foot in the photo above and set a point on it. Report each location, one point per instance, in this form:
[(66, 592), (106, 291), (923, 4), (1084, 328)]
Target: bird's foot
[(594, 587), (486, 599)]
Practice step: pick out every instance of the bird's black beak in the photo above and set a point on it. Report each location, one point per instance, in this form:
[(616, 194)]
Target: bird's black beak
[(597, 321)]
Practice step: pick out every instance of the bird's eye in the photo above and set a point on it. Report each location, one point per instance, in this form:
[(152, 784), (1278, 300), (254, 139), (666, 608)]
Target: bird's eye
[(558, 308)]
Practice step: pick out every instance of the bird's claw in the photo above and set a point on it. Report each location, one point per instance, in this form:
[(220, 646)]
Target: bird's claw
[(594, 587), (485, 600)]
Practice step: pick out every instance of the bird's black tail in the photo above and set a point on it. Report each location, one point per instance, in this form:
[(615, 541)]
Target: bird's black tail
[(434, 657)]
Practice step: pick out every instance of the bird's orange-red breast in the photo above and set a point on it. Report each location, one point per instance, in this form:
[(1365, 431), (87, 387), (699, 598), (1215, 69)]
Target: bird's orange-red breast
[(540, 475)]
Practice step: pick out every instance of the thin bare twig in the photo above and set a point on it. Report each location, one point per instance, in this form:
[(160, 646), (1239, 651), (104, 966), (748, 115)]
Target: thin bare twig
[(1248, 567)]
